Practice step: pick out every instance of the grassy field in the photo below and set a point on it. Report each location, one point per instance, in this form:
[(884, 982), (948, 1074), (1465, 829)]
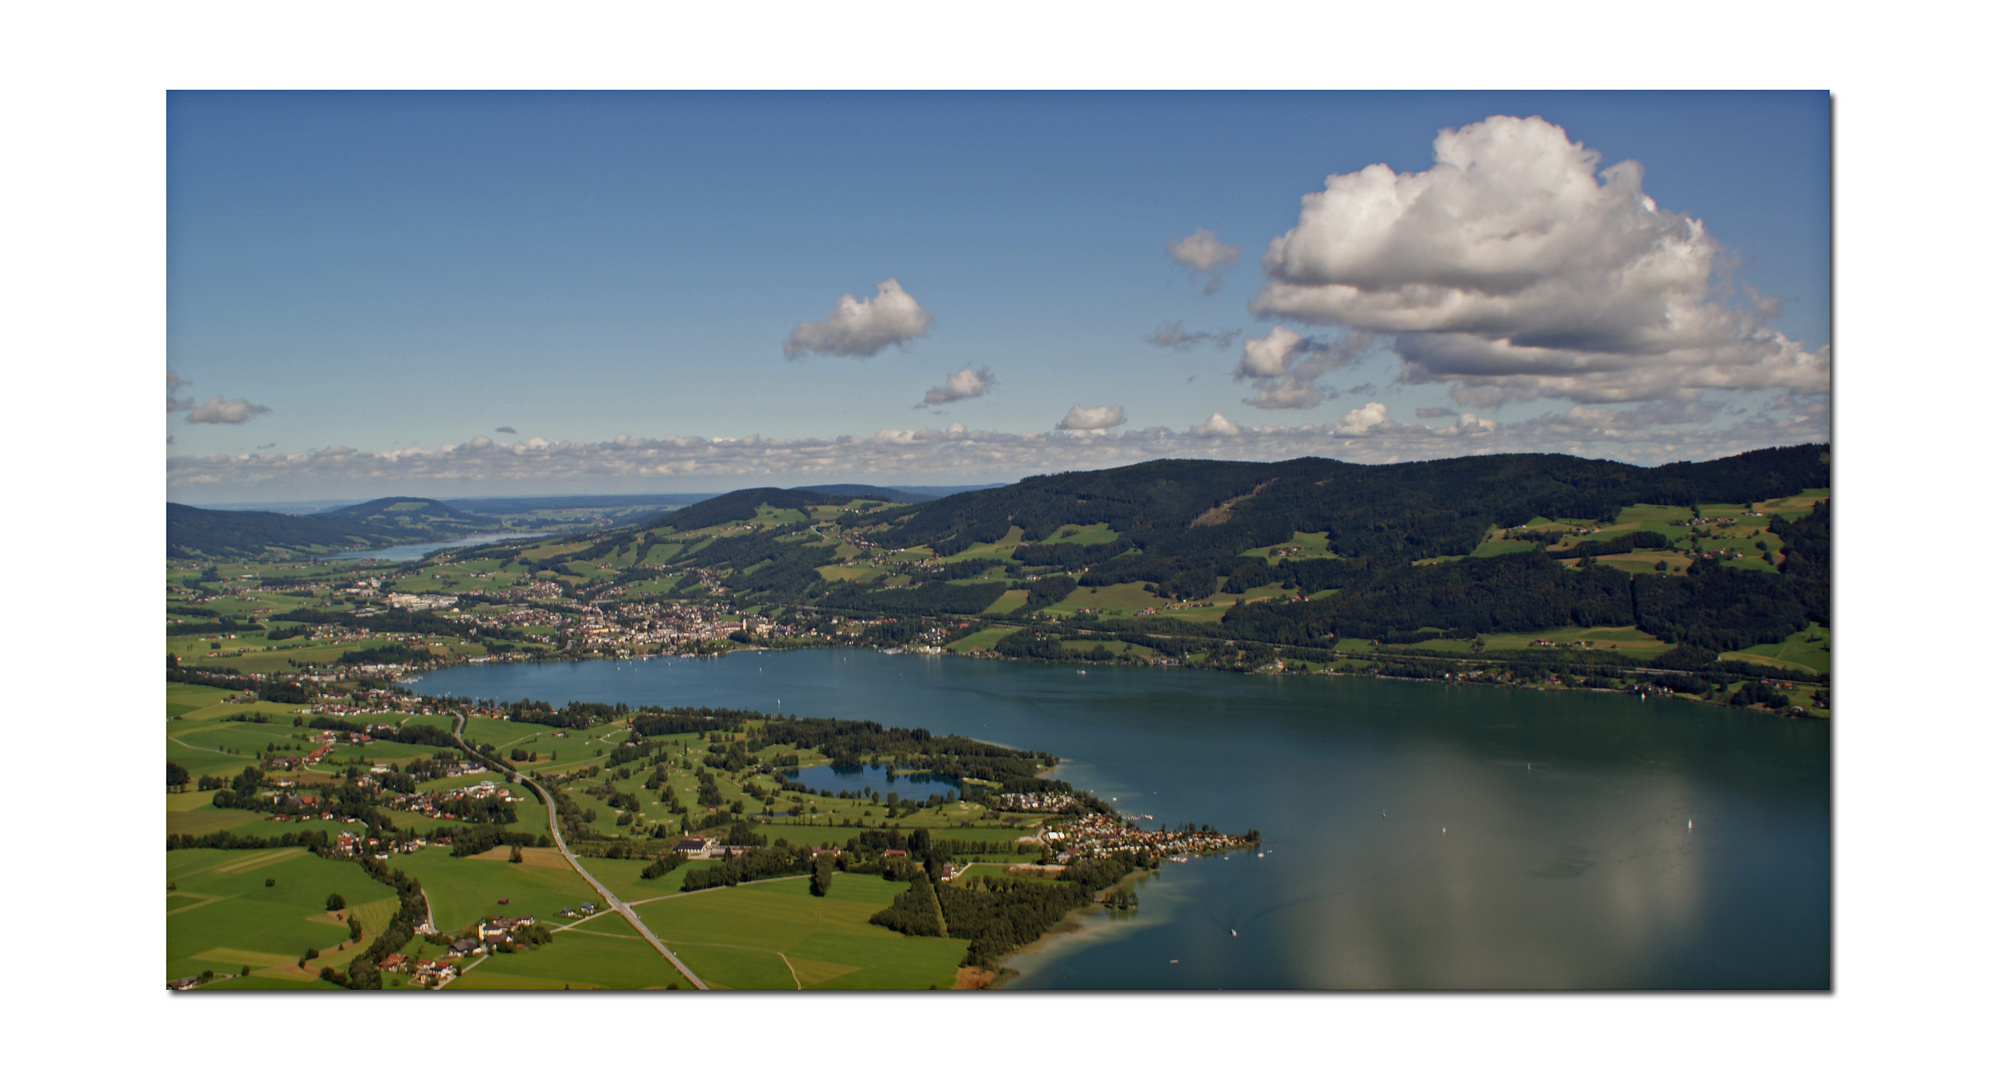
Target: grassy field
[(604, 954), (462, 891), (221, 916), (982, 639), (775, 935), (1808, 649)]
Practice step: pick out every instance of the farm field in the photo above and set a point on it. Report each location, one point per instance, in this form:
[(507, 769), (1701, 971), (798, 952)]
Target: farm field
[(221, 915), (1807, 649), (604, 953), (462, 891), (774, 935)]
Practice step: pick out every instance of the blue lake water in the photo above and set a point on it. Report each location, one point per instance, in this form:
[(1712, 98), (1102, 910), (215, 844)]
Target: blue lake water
[(836, 778), (1416, 835), (414, 552)]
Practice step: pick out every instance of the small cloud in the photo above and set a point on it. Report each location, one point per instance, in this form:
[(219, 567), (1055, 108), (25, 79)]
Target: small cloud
[(1173, 335), (217, 411), (1363, 419), (508, 429), (1217, 425), (175, 382), (861, 327), (1287, 368), (960, 386), (1361, 389), (1099, 418), (1433, 412), (1202, 251)]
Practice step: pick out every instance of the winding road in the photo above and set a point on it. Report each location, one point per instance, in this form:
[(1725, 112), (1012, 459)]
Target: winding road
[(610, 898)]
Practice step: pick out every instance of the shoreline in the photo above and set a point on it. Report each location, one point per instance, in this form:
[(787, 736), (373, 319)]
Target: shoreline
[(456, 662)]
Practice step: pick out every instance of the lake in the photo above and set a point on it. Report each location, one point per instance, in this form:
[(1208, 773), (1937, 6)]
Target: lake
[(413, 552), (915, 786), (1415, 835)]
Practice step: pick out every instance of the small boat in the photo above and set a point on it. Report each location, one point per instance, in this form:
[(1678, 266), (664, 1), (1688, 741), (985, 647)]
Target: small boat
[(1236, 933)]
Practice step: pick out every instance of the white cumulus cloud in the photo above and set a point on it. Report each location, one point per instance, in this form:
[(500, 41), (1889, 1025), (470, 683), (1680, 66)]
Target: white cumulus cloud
[(1203, 253), (1517, 268), (1098, 418), (217, 411), (1217, 425), (1287, 368), (1363, 419), (861, 327), (964, 384)]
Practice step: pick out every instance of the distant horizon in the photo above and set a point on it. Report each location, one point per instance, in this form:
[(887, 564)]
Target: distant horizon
[(308, 506)]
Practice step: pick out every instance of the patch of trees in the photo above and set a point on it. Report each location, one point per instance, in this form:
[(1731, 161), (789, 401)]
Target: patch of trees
[(219, 626), (176, 777), (575, 714), (1031, 645), (272, 690), (1643, 540), (999, 915), (1051, 589), (412, 733), (1068, 556), (850, 742), (933, 598), (467, 840), (652, 721), (1715, 608), (750, 866), (1757, 692), (663, 865), (316, 840), (1507, 593), (1806, 565)]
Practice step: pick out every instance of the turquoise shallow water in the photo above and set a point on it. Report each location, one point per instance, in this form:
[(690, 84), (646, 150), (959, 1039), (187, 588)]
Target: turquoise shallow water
[(1416, 836)]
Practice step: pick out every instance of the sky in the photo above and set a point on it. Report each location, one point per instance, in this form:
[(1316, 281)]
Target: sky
[(459, 294)]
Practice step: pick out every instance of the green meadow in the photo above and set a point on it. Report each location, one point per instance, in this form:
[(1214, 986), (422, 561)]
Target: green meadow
[(221, 915), (774, 935)]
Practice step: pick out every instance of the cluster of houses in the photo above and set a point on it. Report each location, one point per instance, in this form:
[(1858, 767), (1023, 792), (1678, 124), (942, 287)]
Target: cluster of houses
[(429, 974), (1050, 802), (1103, 834), (426, 802)]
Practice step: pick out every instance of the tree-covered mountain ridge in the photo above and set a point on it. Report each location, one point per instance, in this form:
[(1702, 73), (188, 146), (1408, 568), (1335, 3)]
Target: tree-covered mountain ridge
[(1456, 547)]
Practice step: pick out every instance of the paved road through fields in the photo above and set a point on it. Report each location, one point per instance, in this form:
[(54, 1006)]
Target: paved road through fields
[(616, 904)]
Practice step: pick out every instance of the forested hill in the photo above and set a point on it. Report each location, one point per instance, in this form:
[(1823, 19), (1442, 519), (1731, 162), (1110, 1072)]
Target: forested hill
[(192, 531), (1176, 526), (1411, 511)]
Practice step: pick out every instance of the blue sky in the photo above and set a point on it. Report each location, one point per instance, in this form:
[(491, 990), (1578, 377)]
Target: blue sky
[(364, 286)]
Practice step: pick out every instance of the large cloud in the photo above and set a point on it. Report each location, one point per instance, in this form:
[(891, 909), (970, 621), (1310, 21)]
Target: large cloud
[(963, 384), (861, 327), (217, 411), (1098, 418), (1516, 269), (1286, 368)]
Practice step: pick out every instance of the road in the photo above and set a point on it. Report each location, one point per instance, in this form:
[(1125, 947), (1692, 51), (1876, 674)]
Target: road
[(610, 898)]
